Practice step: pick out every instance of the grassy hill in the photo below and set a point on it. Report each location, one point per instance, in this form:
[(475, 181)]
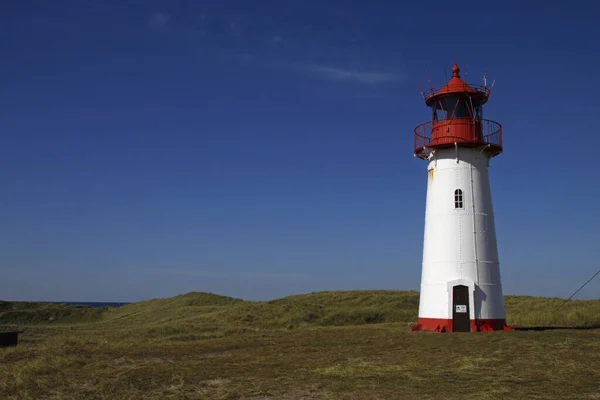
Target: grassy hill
[(325, 345), (31, 313), (336, 308)]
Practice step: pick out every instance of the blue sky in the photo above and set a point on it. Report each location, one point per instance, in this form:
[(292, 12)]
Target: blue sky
[(260, 149)]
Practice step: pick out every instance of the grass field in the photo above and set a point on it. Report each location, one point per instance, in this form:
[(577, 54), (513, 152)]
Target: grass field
[(327, 345)]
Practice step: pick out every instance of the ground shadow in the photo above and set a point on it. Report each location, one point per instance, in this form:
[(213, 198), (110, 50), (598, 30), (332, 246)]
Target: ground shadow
[(555, 328)]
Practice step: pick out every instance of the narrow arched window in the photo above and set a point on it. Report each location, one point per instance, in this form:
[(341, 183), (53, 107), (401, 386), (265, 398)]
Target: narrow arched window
[(458, 198)]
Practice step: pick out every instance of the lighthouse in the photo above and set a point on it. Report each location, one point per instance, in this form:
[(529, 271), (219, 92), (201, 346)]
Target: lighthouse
[(461, 289)]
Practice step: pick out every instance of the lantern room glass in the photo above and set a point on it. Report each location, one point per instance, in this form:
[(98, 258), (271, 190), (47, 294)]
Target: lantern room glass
[(456, 107)]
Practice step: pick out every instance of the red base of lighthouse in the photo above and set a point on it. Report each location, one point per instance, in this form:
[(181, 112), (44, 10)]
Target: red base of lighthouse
[(445, 325)]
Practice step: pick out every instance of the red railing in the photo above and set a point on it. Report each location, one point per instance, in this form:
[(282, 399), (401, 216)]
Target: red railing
[(478, 88), (484, 132)]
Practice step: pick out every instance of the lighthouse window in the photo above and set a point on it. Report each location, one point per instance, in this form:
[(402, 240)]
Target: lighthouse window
[(456, 107), (458, 198), (438, 112)]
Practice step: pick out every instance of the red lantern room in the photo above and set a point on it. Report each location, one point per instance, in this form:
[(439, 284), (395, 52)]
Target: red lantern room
[(457, 119)]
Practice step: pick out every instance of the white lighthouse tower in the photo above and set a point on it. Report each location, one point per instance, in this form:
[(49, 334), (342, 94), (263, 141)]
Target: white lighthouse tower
[(461, 289)]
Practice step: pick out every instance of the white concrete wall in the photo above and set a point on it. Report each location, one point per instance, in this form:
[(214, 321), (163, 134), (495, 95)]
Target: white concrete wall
[(460, 244)]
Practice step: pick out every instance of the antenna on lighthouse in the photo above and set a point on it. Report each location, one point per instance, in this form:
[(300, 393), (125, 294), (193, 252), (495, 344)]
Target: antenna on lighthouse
[(488, 91), (421, 90), (429, 80), (485, 80)]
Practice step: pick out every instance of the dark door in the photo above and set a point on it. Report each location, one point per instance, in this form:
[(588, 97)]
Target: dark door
[(460, 309), (8, 339)]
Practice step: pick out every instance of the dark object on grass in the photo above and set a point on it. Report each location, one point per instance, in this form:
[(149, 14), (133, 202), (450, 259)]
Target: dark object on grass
[(9, 338), (555, 328)]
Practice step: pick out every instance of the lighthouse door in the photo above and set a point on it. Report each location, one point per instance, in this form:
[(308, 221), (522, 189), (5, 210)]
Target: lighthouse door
[(460, 309)]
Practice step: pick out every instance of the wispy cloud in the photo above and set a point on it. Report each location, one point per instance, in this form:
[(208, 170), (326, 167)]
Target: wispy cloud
[(237, 37), (235, 30), (339, 74), (323, 71), (159, 21), (274, 40)]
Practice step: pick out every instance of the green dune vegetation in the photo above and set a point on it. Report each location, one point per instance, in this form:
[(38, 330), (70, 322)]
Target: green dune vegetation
[(325, 345)]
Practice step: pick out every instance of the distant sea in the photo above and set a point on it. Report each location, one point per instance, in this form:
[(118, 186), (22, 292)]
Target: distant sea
[(92, 304)]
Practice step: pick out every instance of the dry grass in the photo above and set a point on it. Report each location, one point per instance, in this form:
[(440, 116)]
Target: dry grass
[(337, 345)]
